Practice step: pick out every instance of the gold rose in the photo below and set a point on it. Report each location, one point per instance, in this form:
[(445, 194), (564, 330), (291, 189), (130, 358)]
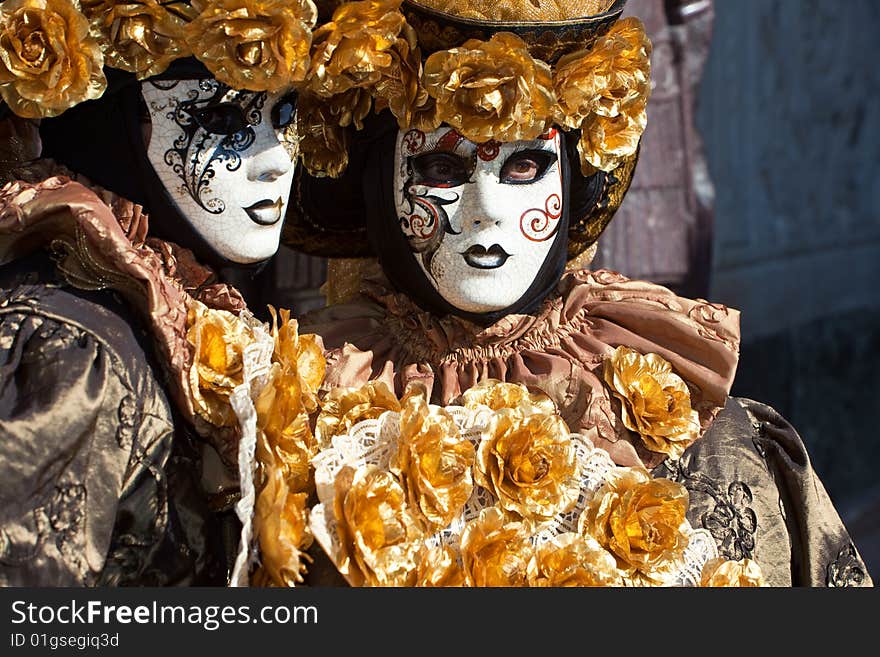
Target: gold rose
[(143, 36), (48, 60), (529, 463), (639, 520), (604, 92), (655, 402), (491, 89), (260, 45)]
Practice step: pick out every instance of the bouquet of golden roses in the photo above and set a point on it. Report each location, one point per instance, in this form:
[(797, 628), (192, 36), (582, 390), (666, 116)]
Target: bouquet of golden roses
[(494, 491)]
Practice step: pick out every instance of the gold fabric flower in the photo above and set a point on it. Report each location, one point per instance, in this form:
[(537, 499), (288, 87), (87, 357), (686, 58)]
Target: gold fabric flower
[(604, 91), (496, 551), (323, 143), (285, 402), (606, 142), (381, 541), (439, 568), (574, 560), (722, 573), (354, 49), (433, 462), (529, 463), (608, 78), (491, 89), (344, 407), (285, 424), (218, 339), (281, 525), (141, 36), (639, 520), (299, 352), (656, 402), (48, 60), (399, 87), (260, 45), (497, 395)]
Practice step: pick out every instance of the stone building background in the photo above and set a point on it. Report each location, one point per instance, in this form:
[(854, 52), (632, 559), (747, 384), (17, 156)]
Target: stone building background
[(789, 113)]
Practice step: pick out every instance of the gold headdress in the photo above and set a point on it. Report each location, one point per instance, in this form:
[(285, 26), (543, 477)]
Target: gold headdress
[(499, 70), (53, 52)]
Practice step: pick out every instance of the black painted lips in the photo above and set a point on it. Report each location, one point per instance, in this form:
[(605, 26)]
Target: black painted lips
[(265, 212), (479, 257)]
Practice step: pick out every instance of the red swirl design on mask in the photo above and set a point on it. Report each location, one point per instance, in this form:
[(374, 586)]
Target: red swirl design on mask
[(550, 134), (540, 225), (421, 226), (414, 141), (489, 150)]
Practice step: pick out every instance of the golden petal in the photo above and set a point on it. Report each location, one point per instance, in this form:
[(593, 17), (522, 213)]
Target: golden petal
[(49, 61), (723, 573), (439, 567), (574, 560), (497, 551)]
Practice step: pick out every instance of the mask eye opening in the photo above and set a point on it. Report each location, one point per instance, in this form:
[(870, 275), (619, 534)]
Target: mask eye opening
[(220, 119), (439, 169), (284, 111), (541, 159)]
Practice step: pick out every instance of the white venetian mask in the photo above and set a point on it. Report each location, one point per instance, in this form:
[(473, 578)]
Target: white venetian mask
[(224, 158), (480, 219)]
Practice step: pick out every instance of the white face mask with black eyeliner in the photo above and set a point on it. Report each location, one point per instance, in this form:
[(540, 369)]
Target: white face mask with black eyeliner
[(479, 218), (226, 160)]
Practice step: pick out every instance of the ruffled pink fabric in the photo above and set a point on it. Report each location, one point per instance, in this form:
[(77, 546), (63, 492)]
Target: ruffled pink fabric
[(159, 278), (560, 350)]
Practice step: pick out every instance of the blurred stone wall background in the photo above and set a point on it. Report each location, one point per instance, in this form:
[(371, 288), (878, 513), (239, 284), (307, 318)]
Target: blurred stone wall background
[(663, 230), (789, 110)]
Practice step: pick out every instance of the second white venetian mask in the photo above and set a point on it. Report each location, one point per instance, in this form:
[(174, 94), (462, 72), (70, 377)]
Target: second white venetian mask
[(479, 218), (225, 159)]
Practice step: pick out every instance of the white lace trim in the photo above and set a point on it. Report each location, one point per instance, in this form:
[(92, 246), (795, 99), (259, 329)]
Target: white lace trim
[(257, 363), (374, 442)]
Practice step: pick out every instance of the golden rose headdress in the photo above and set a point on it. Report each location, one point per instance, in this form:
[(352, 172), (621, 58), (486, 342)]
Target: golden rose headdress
[(500, 70), (493, 71), (53, 52)]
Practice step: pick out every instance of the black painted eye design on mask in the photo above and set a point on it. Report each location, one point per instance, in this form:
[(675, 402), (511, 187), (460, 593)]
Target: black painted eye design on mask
[(214, 131), (526, 167), (220, 119)]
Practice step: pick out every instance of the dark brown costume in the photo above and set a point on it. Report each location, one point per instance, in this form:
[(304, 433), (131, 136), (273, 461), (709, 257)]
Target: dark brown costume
[(99, 461)]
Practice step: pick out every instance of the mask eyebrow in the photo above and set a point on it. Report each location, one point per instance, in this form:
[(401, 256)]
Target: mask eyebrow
[(536, 145), (452, 142)]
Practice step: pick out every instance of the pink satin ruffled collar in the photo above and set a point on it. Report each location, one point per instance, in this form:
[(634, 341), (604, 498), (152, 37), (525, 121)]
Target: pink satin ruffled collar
[(560, 350)]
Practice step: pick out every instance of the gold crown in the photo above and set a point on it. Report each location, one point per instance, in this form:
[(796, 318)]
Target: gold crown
[(52, 52), (489, 79)]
